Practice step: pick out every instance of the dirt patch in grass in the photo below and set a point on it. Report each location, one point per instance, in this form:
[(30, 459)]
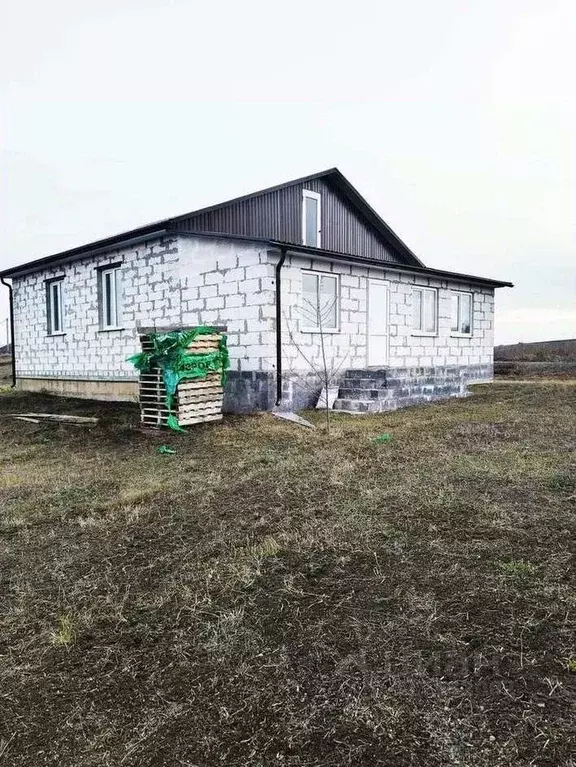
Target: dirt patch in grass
[(269, 595)]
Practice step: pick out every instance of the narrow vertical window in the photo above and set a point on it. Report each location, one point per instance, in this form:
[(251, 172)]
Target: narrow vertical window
[(454, 304), (110, 299), (54, 307), (311, 218), (424, 311), (461, 314)]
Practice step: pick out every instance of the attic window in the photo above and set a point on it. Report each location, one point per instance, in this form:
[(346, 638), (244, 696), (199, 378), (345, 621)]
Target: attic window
[(311, 221)]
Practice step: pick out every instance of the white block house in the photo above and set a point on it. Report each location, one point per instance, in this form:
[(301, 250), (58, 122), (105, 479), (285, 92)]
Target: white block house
[(282, 270)]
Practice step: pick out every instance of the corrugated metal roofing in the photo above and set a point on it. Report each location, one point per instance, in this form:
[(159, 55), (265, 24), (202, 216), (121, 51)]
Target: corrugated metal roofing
[(350, 227), (262, 214)]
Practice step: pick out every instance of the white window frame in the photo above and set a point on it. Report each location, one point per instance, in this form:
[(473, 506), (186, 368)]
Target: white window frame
[(308, 194), (115, 314), (419, 331), (458, 333), (50, 284), (318, 274)]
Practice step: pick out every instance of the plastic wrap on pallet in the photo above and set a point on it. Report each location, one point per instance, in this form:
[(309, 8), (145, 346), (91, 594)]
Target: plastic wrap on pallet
[(181, 377)]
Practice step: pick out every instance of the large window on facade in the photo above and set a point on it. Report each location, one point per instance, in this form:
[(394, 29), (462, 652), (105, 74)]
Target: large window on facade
[(54, 307), (320, 302), (311, 218), (424, 311), (110, 298), (461, 314)]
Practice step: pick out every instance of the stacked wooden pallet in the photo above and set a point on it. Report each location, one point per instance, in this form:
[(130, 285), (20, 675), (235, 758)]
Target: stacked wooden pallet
[(195, 401)]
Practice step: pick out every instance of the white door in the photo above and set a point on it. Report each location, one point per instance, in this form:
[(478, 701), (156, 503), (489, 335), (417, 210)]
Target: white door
[(377, 322)]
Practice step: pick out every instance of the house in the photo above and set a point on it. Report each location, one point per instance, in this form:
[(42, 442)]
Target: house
[(275, 268)]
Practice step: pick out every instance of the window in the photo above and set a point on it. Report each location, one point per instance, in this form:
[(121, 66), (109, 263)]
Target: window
[(424, 313), (461, 314), (54, 307), (109, 297), (311, 218), (320, 302)]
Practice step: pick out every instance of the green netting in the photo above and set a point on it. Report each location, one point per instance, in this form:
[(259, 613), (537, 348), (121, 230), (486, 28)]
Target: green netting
[(170, 353)]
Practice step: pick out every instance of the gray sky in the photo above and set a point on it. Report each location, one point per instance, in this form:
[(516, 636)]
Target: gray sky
[(455, 119)]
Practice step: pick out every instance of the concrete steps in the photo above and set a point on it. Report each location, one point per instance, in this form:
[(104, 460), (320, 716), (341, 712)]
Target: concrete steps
[(381, 390)]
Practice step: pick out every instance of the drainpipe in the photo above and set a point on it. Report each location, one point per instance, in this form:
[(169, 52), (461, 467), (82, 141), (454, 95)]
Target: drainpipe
[(279, 266), (12, 347)]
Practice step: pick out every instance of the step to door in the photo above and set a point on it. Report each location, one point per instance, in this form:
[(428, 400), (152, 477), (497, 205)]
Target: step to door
[(377, 390), (372, 373), (363, 383), (363, 393)]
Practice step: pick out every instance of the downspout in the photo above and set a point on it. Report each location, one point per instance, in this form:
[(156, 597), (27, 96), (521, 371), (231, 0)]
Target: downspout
[(279, 266), (12, 345)]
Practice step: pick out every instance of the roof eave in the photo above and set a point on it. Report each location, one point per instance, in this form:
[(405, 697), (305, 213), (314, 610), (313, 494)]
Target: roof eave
[(391, 265), (86, 251), (146, 233)]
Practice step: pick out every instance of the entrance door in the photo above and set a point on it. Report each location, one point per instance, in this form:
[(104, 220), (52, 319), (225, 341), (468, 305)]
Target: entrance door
[(377, 322)]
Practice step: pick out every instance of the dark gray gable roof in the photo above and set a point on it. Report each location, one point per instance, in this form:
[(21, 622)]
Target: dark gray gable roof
[(338, 181), (332, 176)]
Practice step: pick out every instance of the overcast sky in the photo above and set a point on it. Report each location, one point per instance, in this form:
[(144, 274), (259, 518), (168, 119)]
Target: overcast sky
[(456, 119)]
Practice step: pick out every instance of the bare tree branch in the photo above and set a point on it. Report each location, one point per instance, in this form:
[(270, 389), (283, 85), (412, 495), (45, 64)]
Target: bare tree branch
[(317, 315)]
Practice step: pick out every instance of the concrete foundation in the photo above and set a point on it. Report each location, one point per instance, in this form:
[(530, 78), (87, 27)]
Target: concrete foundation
[(110, 390), (374, 391), (249, 391), (369, 390)]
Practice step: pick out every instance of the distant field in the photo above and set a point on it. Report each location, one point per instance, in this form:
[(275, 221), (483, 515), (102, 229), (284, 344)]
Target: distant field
[(5, 369), (541, 351)]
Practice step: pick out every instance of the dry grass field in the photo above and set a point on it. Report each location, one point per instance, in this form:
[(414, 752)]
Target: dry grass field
[(538, 351), (275, 596), (542, 359), (5, 370)]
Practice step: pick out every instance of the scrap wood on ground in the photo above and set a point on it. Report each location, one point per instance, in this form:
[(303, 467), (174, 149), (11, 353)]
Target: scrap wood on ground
[(74, 420)]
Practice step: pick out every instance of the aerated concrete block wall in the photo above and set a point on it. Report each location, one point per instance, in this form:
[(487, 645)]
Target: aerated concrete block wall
[(179, 281), (348, 346), (165, 282), (83, 351), (408, 349), (442, 358), (231, 284)]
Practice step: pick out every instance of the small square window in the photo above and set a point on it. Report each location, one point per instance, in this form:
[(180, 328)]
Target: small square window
[(54, 307), (311, 218), (461, 314), (424, 311), (110, 297), (320, 302)]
